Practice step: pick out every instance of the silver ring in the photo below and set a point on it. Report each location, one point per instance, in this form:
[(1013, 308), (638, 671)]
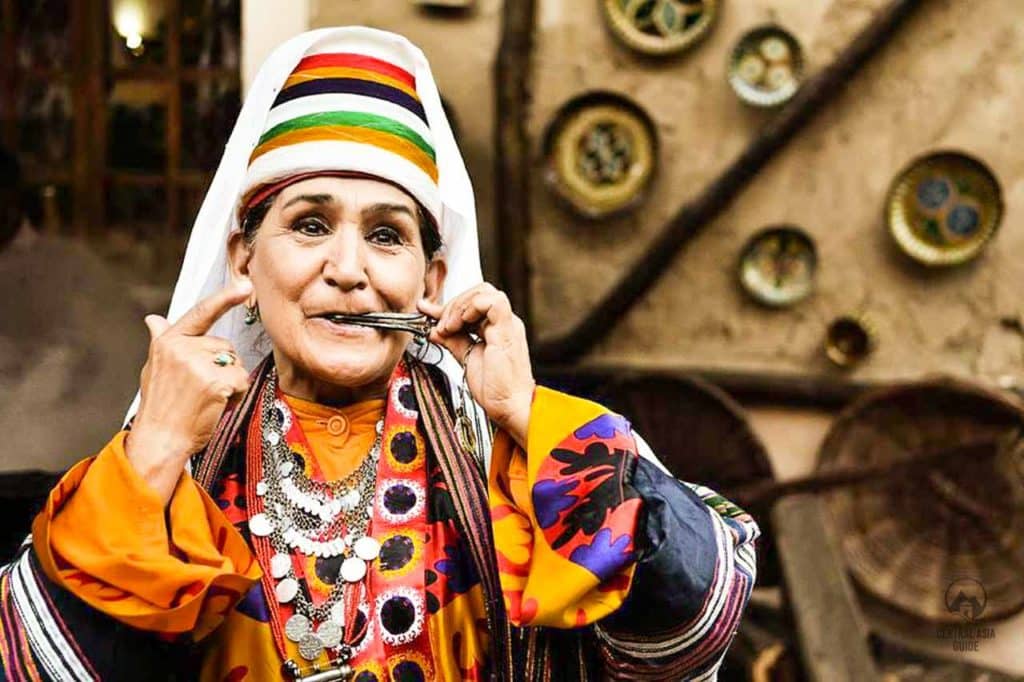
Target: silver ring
[(224, 358)]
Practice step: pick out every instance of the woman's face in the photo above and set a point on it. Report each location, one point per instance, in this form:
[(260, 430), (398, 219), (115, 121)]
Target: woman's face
[(336, 245)]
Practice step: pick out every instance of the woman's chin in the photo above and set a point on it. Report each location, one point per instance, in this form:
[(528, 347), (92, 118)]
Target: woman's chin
[(352, 361)]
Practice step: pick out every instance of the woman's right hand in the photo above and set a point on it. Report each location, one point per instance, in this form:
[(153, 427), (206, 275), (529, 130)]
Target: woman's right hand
[(183, 391)]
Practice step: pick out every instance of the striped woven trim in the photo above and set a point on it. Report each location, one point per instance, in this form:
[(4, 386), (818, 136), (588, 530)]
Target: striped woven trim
[(46, 635), (329, 133), (697, 647), (316, 104), (464, 477), (352, 86), (350, 119), (16, 662), (357, 61), (342, 72)]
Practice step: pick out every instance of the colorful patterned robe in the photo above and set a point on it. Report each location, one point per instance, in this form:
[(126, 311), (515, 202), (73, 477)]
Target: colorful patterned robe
[(609, 569)]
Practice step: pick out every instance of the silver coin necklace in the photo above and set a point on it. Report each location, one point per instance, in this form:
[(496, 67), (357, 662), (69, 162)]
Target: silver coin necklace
[(307, 518)]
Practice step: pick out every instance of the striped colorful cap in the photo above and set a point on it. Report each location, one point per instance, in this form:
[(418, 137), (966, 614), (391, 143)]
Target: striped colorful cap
[(351, 106)]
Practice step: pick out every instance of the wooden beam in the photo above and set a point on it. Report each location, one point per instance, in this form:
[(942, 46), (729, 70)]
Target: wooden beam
[(697, 214), (95, 94), (174, 124), (831, 629), (825, 391), (768, 492), (8, 62), (512, 150)]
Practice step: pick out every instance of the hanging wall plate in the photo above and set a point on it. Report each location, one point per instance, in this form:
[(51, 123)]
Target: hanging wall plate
[(601, 152), (943, 208), (850, 339), (766, 66), (777, 266), (660, 27)]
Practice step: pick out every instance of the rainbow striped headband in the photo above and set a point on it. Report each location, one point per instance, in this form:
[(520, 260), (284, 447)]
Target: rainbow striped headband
[(350, 107)]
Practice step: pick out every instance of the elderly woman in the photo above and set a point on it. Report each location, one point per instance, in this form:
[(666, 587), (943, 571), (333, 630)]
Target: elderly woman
[(347, 513)]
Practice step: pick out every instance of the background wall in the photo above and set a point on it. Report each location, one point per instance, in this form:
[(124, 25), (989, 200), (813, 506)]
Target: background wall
[(949, 79)]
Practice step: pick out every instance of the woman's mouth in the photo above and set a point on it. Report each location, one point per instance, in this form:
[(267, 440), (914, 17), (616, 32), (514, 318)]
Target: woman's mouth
[(334, 324)]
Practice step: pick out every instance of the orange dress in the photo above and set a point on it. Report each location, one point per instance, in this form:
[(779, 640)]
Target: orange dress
[(113, 545)]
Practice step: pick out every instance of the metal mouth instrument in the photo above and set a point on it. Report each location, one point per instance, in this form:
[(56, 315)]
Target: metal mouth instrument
[(414, 323)]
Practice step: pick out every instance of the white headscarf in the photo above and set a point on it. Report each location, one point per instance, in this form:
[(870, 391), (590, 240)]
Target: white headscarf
[(205, 267)]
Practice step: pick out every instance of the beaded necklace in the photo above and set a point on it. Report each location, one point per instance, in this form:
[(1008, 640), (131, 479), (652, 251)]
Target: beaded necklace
[(369, 613)]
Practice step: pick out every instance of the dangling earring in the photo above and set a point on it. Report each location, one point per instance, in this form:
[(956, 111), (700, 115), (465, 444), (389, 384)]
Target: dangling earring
[(252, 314)]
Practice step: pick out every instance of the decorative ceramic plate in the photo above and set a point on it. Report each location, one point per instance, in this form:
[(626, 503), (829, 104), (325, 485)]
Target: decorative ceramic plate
[(766, 66), (849, 339), (601, 151), (777, 266), (943, 208), (660, 27)]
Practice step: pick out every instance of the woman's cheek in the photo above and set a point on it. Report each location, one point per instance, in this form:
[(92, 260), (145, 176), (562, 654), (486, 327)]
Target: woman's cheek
[(399, 284)]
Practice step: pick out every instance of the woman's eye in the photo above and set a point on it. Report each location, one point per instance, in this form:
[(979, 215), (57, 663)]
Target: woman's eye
[(386, 235), (313, 227)]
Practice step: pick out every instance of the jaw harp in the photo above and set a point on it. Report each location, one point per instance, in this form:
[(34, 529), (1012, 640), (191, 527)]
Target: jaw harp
[(414, 323)]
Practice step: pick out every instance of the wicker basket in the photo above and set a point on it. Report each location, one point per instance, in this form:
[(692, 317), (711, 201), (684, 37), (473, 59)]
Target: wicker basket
[(942, 542)]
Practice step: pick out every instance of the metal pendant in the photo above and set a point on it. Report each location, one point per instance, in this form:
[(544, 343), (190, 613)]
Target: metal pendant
[(297, 627), (367, 548), (338, 671), (280, 565), (353, 569), (338, 613), (466, 433), (310, 647), (329, 633), (260, 525), (286, 590)]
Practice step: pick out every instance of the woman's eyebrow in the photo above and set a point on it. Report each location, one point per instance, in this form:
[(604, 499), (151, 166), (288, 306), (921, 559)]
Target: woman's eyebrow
[(388, 208), (311, 199)]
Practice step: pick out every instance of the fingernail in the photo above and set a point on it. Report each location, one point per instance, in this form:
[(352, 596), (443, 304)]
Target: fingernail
[(244, 287)]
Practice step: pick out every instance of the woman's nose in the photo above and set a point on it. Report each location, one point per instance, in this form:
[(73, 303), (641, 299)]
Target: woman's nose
[(345, 261)]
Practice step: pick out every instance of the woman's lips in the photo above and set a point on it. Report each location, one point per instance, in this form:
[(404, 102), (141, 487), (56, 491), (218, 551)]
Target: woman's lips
[(341, 328)]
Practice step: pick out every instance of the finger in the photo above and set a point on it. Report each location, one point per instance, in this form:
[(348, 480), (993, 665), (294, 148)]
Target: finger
[(451, 320), (201, 317), (239, 380), (490, 307), (230, 382), (429, 308), (156, 325)]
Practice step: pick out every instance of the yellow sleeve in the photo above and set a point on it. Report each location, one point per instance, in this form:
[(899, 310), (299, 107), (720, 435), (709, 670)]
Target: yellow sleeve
[(564, 519), (106, 536)]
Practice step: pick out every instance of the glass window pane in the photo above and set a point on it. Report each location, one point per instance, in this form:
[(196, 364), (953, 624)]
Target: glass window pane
[(208, 112), (138, 35), (43, 33), (210, 32), (45, 127), (137, 126)]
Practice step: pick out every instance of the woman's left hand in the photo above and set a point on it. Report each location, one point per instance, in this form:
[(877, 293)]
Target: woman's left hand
[(498, 369)]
